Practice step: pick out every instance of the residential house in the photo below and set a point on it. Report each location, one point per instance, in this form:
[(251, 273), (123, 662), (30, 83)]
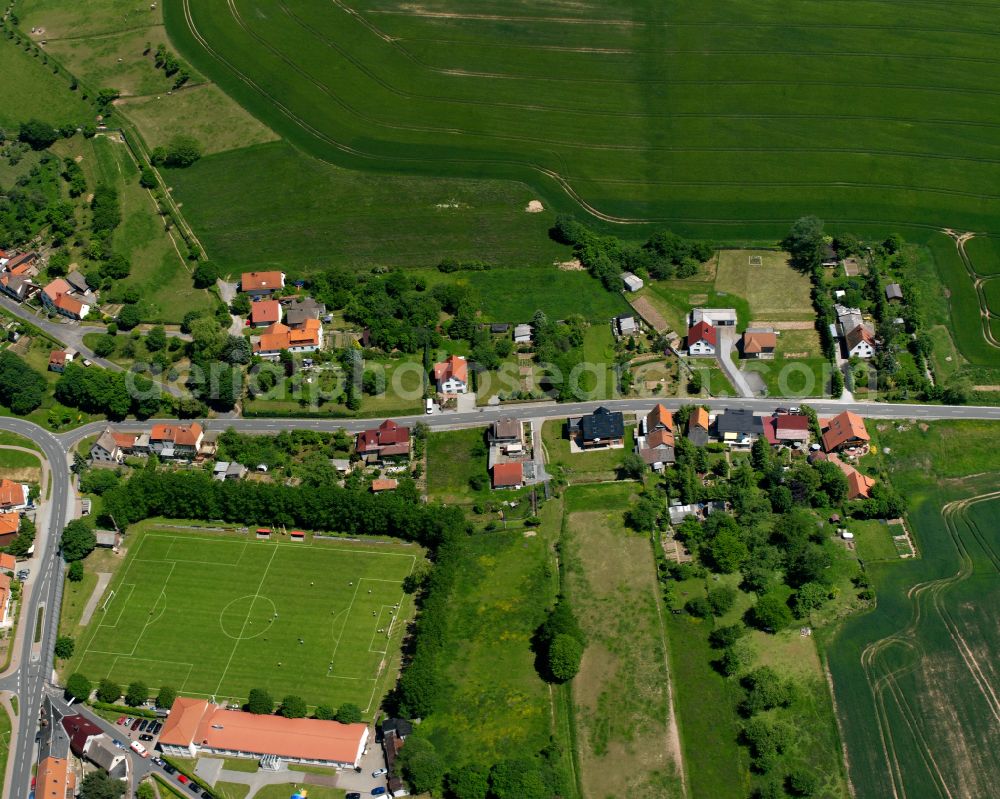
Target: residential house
[(508, 475), (786, 429), (381, 484), (452, 375), (624, 326), (105, 755), (522, 334), (107, 449), (388, 441), (59, 358), (61, 297), (23, 265), (859, 342), (844, 431), (848, 318), (394, 733), (176, 441), (265, 312), (859, 486), (79, 283), (656, 449), (602, 428), (702, 340), (196, 727), (13, 496), (54, 779), (262, 284), (10, 523), (8, 563), (679, 513), (829, 258), (6, 598), (717, 317), (80, 730), (499, 328), (278, 337), (698, 424), (759, 344), (894, 292), (739, 428), (631, 282), (16, 287), (506, 430), (297, 312)]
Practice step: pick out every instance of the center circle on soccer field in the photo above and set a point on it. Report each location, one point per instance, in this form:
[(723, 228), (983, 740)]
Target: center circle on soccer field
[(247, 617)]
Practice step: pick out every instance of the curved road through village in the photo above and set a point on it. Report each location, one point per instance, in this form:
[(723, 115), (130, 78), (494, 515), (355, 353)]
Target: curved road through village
[(30, 675)]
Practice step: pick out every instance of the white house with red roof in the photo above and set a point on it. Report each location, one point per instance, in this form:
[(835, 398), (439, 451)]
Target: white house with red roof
[(262, 284), (63, 298), (451, 376), (388, 441), (702, 340)]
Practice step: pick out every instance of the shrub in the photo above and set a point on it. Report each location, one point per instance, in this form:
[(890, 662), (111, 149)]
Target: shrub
[(565, 653), (64, 647)]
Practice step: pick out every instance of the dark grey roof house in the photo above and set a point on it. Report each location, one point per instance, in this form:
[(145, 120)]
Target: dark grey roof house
[(603, 426)]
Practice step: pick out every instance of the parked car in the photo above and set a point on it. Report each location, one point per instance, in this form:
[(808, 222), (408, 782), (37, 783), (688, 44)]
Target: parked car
[(135, 725), (194, 787), (795, 409), (781, 410), (142, 725), (168, 768), (121, 720), (380, 791), (139, 749), (120, 744), (354, 795), (128, 721), (159, 761), (206, 795), (379, 772), (23, 574), (145, 737), (182, 779), (155, 728)]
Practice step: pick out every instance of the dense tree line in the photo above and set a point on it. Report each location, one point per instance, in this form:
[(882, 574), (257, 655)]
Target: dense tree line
[(31, 203), (21, 387), (95, 390), (664, 255)]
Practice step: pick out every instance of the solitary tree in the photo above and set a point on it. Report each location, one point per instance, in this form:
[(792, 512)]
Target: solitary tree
[(259, 702), (166, 696), (78, 687), (565, 653), (98, 785), (293, 707), (38, 134), (64, 647), (770, 613), (136, 694), (78, 540), (108, 690)]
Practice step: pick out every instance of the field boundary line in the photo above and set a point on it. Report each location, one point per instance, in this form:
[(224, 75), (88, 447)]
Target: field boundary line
[(131, 587), (245, 620)]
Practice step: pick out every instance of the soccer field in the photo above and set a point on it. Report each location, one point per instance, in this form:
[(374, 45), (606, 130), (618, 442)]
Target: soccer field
[(216, 617)]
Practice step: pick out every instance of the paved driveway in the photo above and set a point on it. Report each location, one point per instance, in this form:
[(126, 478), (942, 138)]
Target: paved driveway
[(727, 360)]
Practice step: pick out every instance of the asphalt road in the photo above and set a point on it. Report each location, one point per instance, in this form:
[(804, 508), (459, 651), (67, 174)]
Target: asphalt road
[(31, 672)]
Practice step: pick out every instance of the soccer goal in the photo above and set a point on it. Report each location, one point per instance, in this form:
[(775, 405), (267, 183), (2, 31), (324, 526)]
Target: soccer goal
[(108, 601)]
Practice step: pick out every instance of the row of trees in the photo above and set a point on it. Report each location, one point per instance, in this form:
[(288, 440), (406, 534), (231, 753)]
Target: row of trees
[(260, 702)]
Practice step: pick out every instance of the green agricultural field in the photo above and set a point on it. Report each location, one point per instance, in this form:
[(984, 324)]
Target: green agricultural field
[(913, 678), (514, 294), (218, 616), (273, 206), (991, 291), (31, 89), (627, 743), (985, 254), (708, 116)]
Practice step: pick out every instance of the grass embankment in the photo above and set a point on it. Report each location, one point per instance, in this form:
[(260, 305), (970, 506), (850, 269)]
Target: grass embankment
[(908, 677)]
